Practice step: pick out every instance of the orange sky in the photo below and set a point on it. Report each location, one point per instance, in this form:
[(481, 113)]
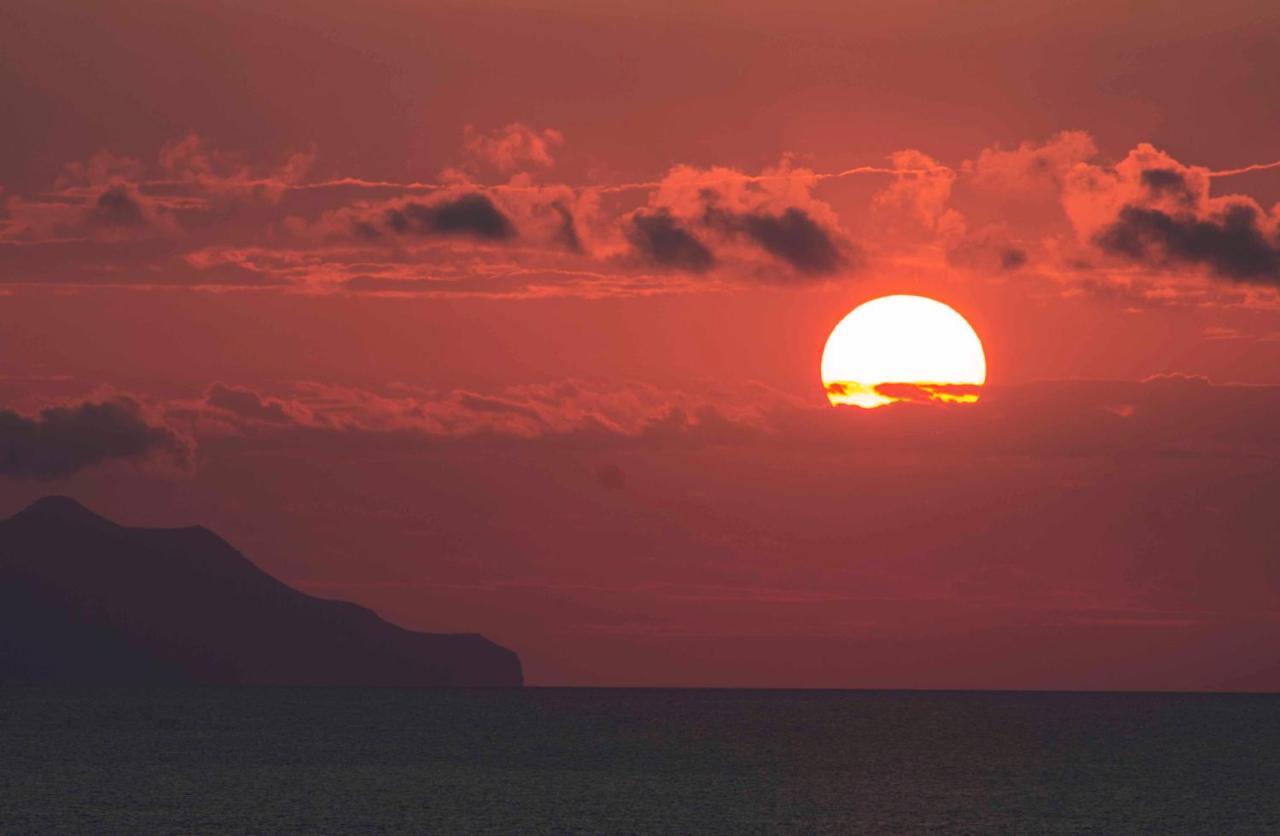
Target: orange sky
[(506, 317)]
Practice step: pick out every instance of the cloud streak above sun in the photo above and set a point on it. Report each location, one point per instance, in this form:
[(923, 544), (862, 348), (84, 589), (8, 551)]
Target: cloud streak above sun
[(199, 216), (1166, 417)]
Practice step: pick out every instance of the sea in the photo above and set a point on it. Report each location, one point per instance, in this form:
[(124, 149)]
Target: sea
[(616, 761)]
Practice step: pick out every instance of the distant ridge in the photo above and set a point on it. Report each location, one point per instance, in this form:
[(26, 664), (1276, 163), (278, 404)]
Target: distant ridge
[(85, 600), (61, 509)]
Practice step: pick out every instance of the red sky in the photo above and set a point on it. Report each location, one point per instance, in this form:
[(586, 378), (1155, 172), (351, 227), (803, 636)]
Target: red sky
[(506, 317)]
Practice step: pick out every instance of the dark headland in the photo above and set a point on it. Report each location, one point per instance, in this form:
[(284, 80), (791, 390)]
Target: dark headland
[(83, 600)]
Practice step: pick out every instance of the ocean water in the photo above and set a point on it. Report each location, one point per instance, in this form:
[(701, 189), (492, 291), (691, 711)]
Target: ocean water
[(320, 760)]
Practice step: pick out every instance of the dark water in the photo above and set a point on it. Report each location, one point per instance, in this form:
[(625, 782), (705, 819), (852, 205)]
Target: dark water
[(605, 761)]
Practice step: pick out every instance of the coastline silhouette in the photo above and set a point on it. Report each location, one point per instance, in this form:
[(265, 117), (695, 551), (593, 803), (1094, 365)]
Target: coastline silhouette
[(84, 600)]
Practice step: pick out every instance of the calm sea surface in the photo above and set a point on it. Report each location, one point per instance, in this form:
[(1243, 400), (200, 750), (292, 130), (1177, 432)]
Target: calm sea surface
[(635, 761)]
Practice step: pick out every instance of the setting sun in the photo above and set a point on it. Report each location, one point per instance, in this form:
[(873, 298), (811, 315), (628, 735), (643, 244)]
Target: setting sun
[(902, 348)]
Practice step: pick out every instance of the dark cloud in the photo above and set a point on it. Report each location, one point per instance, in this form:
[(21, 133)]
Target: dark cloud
[(660, 239), (116, 208), (246, 403), (922, 392), (1012, 258), (792, 236), (567, 235), (1168, 182), (1232, 243), (471, 215), (65, 439)]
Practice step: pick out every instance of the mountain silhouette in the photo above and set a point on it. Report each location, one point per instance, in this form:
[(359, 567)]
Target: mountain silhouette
[(85, 600)]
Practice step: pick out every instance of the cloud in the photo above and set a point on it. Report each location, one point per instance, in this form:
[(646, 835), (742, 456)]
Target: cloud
[(198, 216), (699, 218), (919, 193), (920, 392), (568, 411), (149, 261), (231, 224), (990, 249), (101, 169), (497, 406), (994, 214), (246, 403), (512, 284), (552, 219), (472, 214), (512, 147), (461, 215), (1168, 417), (114, 213), (121, 212), (660, 239), (62, 440), (792, 236), (116, 207), (1151, 210), (1169, 182), (190, 191), (1031, 166), (1236, 241), (567, 234), (223, 175)]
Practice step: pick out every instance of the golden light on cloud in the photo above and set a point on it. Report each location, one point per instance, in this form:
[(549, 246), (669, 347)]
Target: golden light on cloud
[(899, 348)]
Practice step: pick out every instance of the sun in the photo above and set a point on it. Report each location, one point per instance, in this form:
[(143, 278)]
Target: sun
[(898, 348)]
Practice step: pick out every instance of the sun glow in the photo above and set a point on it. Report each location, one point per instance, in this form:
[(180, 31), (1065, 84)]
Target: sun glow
[(898, 348)]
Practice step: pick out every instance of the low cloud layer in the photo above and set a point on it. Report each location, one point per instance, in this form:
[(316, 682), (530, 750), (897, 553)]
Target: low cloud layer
[(62, 440), (246, 404), (1163, 417)]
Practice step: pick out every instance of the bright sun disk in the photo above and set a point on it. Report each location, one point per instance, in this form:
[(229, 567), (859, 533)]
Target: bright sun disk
[(902, 348)]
